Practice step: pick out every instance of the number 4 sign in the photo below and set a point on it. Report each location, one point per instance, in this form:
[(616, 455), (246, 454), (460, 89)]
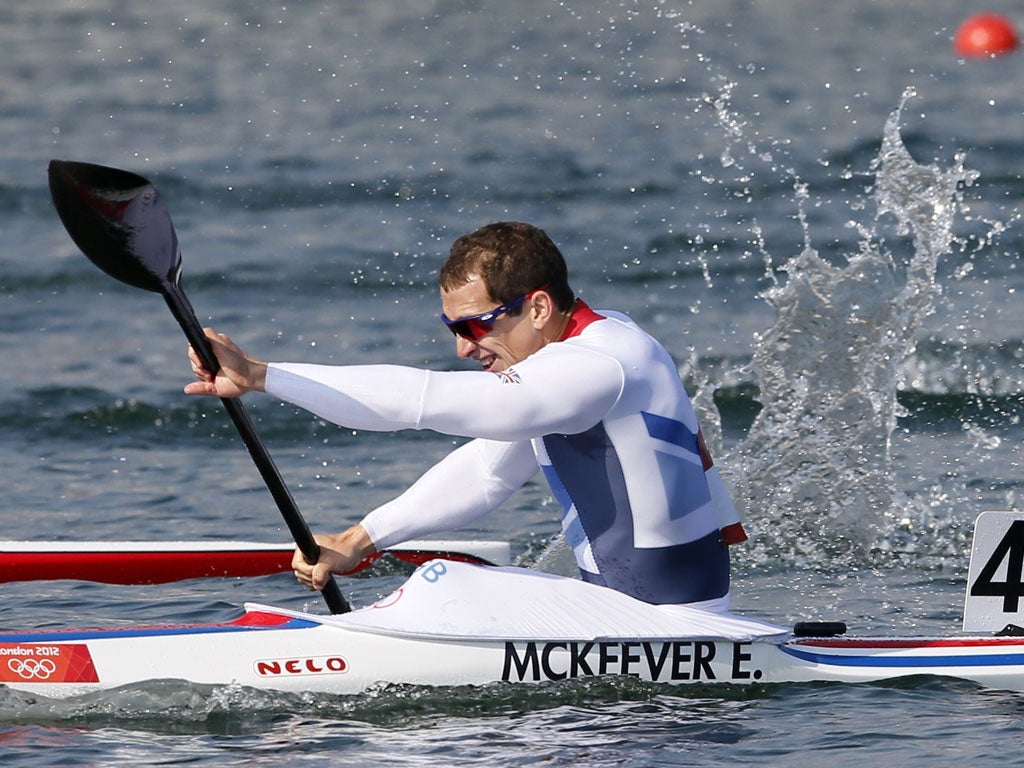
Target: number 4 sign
[(995, 580)]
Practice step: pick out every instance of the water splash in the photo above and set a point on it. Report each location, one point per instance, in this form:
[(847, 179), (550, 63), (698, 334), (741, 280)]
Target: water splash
[(817, 463), (815, 474)]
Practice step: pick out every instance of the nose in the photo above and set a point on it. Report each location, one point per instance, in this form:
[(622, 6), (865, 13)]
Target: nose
[(464, 347)]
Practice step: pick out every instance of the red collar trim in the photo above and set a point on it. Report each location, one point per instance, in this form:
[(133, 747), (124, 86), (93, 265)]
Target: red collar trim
[(582, 316)]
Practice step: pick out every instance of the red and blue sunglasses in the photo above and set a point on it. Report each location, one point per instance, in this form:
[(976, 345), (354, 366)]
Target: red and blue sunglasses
[(475, 327)]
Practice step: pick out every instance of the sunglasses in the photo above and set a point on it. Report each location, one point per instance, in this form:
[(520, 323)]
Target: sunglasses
[(475, 327)]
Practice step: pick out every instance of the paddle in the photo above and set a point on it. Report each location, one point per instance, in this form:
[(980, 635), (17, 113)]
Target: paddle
[(119, 221)]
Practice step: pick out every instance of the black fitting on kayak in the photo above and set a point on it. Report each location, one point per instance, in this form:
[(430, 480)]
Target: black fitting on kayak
[(1011, 630), (819, 628)]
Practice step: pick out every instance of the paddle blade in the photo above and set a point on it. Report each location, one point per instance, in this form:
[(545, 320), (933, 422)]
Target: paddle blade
[(119, 221)]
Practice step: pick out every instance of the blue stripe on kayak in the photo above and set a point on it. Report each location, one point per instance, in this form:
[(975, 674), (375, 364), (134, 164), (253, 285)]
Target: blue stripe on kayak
[(74, 635), (963, 660)]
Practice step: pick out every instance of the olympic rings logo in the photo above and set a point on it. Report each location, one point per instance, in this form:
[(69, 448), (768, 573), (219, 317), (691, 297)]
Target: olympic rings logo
[(32, 669)]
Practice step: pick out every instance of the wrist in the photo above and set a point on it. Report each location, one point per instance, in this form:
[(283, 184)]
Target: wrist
[(357, 541), (258, 375)]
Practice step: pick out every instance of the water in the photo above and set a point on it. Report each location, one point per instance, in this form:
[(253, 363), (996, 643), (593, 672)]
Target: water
[(763, 185)]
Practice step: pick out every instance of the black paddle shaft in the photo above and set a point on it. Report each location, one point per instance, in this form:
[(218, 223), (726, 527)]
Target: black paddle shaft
[(182, 310), (119, 221)]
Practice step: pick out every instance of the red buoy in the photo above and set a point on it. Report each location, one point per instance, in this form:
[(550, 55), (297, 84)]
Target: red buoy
[(985, 34)]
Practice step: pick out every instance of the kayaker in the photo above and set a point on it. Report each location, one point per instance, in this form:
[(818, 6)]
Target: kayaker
[(587, 397)]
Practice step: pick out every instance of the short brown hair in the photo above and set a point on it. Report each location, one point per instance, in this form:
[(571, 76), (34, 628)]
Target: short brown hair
[(513, 259)]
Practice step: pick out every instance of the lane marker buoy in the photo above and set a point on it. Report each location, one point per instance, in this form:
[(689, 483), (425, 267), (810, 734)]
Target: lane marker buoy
[(985, 34)]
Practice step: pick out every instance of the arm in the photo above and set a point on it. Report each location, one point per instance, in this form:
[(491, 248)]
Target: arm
[(561, 389), (469, 482), (565, 390)]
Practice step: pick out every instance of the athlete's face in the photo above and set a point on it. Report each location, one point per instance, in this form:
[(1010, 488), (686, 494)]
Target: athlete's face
[(510, 340)]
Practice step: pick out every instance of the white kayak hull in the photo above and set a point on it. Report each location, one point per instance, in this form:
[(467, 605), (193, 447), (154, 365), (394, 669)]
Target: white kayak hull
[(280, 650), (454, 624)]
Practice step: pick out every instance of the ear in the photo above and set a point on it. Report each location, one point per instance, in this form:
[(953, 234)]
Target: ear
[(542, 309)]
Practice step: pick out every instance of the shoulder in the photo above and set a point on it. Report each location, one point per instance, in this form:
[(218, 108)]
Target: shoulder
[(582, 358), (618, 336), (616, 332)]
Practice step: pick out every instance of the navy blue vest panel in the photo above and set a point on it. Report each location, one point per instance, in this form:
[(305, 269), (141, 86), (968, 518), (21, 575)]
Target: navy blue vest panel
[(587, 468)]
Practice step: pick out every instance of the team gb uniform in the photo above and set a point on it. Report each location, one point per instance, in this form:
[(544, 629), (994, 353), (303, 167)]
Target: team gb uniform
[(602, 412)]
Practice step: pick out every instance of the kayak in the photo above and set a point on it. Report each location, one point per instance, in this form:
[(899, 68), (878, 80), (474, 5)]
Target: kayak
[(283, 650), (454, 623), (149, 562), (278, 649)]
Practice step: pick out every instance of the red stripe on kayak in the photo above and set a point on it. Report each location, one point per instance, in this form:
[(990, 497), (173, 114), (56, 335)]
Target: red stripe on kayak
[(926, 642), (260, 619), (153, 567), (164, 566), (419, 557)]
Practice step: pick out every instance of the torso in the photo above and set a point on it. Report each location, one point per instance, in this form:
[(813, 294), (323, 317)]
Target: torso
[(637, 509)]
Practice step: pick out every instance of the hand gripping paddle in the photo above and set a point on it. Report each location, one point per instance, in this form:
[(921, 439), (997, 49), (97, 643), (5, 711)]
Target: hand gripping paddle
[(119, 221)]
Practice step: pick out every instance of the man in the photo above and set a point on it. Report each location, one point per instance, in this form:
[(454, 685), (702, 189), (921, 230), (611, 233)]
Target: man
[(587, 397)]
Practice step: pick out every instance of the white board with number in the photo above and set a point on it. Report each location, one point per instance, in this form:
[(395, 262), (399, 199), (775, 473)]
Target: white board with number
[(995, 580)]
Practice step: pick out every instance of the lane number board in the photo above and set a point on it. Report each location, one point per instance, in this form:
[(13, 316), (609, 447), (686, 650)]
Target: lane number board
[(995, 580)]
